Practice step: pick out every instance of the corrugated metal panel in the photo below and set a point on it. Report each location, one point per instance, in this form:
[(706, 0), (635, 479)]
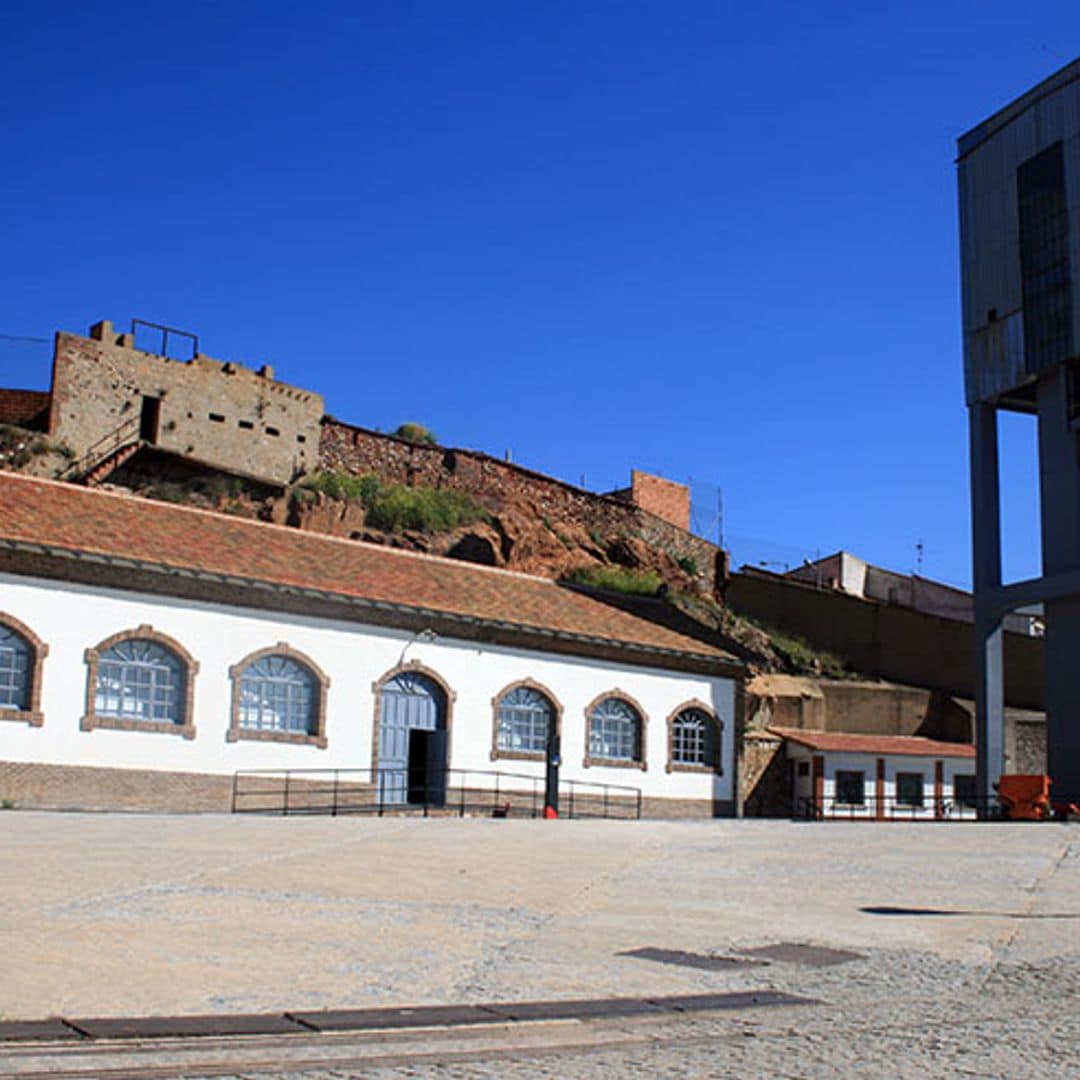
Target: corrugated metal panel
[(990, 231), (994, 358)]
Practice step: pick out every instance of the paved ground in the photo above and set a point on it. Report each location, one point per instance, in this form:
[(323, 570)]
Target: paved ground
[(969, 937)]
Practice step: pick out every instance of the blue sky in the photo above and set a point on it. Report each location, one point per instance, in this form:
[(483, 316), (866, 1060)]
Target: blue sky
[(715, 241)]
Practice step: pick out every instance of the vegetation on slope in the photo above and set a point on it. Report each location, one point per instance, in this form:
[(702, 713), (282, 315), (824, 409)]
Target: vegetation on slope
[(395, 507)]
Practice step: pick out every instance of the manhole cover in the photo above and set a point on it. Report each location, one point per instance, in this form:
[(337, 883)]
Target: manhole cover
[(809, 955), (689, 959)]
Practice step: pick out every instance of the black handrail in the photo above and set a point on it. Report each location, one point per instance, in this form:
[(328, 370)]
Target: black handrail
[(387, 791), (108, 444)]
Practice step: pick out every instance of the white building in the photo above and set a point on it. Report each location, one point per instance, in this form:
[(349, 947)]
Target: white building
[(148, 652), (879, 777)]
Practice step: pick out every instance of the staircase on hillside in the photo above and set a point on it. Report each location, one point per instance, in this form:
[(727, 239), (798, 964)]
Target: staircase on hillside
[(106, 455)]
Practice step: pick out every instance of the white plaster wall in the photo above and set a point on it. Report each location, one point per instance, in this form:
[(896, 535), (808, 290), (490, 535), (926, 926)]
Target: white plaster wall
[(894, 763), (71, 618)]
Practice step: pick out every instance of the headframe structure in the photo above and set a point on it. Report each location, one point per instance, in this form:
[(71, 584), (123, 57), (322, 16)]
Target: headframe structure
[(1019, 189)]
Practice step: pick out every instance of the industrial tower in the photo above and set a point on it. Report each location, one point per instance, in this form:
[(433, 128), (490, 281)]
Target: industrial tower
[(1019, 181)]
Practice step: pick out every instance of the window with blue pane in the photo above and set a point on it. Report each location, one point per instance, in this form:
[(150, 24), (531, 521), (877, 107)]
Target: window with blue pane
[(140, 679), (693, 738), (278, 693), (615, 731), (16, 668), (525, 721)]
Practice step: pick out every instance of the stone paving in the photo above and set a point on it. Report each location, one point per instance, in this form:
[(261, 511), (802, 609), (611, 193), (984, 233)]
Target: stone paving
[(968, 935)]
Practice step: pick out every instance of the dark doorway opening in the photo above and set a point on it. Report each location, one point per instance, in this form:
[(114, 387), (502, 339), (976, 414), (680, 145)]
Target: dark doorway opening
[(150, 419), (419, 755), (426, 768)]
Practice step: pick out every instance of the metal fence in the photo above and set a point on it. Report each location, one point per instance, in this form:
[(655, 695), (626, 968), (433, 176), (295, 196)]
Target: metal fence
[(889, 808), (456, 792)]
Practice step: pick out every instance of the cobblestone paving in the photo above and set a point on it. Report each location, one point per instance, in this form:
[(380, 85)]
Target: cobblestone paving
[(893, 1013), (968, 939)]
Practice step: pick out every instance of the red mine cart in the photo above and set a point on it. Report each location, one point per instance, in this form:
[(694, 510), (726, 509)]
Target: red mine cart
[(1024, 797)]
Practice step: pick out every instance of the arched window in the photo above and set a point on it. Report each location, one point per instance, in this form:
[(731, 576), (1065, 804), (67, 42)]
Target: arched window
[(693, 739), (615, 732), (140, 679), (525, 720), (278, 693), (16, 670)]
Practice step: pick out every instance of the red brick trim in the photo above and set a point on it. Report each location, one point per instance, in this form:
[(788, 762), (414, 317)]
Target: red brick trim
[(817, 772), (643, 722), (38, 651), (236, 675), (413, 667), (716, 768), (879, 790), (522, 755), (939, 789), (91, 720)]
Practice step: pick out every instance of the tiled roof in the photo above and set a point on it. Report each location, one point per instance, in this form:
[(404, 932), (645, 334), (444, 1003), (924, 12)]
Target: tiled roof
[(76, 519), (842, 742)]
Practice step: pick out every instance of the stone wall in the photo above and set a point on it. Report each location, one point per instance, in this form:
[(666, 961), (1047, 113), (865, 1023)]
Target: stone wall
[(1025, 742), (223, 414), (496, 484), (764, 776), (895, 643)]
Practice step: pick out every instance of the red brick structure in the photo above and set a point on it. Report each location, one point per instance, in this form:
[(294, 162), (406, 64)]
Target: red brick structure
[(25, 408), (664, 498)]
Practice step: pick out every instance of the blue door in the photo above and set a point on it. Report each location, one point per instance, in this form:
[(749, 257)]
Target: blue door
[(412, 768)]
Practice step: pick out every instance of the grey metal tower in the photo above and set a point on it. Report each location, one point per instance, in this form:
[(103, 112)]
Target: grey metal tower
[(1019, 179)]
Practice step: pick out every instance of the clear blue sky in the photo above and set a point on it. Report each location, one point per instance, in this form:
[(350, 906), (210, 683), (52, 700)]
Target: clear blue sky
[(709, 240)]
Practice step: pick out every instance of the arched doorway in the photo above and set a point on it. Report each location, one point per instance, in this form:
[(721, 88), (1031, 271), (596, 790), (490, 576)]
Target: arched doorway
[(412, 740)]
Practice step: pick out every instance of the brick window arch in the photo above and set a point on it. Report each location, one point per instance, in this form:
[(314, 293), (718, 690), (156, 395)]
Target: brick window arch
[(22, 655), (694, 739), (140, 680), (411, 667), (278, 695), (524, 714), (615, 732)]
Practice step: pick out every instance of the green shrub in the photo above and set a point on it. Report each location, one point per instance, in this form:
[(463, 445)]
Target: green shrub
[(342, 485), (423, 509), (393, 507), (687, 564), (617, 579), (167, 491), (416, 433)]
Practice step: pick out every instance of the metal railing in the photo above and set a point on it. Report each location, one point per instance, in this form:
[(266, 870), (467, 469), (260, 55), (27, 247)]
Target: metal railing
[(968, 808), (120, 436), (890, 808), (447, 792)]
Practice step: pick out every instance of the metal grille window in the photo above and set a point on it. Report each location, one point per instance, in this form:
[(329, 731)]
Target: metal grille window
[(140, 680), (1044, 259), (278, 694), (525, 721), (15, 667), (964, 791), (850, 787), (692, 738), (909, 788), (615, 731)]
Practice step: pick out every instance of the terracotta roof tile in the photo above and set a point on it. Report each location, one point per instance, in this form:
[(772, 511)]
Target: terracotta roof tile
[(79, 519), (842, 742)]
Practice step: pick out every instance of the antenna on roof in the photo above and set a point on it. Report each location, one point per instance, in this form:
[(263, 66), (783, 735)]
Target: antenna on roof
[(919, 549)]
